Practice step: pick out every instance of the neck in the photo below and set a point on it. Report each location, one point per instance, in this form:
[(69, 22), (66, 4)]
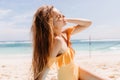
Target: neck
[(57, 34)]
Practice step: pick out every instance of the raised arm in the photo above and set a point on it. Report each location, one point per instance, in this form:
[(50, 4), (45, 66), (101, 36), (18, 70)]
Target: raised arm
[(81, 24)]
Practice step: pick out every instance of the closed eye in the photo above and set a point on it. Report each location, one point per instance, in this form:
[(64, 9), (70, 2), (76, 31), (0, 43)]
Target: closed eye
[(60, 16)]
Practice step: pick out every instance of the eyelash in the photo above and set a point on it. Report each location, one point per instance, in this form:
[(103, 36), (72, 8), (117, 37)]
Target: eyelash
[(59, 16)]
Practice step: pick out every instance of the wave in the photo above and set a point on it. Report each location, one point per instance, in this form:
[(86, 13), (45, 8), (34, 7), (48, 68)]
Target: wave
[(87, 40), (14, 42), (114, 48)]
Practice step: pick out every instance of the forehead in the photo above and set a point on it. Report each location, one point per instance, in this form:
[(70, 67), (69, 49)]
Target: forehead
[(56, 12)]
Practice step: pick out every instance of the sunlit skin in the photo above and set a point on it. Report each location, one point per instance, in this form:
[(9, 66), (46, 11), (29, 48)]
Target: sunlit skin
[(49, 38), (59, 21)]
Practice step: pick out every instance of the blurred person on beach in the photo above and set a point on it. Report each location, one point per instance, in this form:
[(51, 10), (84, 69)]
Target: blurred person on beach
[(51, 44)]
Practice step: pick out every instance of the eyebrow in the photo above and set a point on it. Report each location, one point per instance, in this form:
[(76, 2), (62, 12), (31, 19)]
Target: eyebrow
[(58, 15)]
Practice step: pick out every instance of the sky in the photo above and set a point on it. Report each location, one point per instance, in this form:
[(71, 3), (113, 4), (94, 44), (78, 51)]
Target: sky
[(16, 17)]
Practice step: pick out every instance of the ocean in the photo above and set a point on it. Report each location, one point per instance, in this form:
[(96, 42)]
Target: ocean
[(80, 46)]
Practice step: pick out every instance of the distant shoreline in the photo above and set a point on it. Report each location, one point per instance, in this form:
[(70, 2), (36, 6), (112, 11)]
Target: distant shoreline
[(71, 40)]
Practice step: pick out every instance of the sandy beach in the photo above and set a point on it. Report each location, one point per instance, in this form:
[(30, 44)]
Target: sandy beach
[(18, 67), (106, 65), (14, 67)]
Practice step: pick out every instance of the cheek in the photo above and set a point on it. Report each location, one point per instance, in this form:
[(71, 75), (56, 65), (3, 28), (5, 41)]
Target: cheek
[(55, 23), (59, 23), (62, 21)]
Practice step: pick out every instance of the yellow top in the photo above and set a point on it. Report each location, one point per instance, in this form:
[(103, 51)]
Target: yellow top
[(67, 57)]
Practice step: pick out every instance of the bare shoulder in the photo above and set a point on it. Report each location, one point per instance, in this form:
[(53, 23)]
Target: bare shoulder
[(58, 40), (56, 46)]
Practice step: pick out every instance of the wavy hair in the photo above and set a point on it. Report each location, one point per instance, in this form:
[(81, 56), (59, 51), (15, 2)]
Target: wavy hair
[(42, 35)]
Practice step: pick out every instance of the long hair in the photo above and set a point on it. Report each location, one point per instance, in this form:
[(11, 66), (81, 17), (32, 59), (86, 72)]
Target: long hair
[(42, 33)]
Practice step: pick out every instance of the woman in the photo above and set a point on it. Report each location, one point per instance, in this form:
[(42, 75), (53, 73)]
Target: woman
[(52, 45)]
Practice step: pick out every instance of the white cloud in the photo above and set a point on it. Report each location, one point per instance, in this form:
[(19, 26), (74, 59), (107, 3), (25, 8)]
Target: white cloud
[(106, 29), (105, 32), (16, 28), (4, 12), (7, 34), (6, 24), (18, 21), (23, 17), (100, 32)]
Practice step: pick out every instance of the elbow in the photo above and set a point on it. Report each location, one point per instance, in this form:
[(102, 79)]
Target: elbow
[(88, 23)]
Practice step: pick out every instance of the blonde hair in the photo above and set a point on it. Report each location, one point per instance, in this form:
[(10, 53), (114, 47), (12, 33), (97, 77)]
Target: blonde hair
[(42, 33)]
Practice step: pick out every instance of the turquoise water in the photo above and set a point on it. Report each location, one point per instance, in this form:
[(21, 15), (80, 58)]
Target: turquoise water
[(25, 47), (16, 48), (96, 45)]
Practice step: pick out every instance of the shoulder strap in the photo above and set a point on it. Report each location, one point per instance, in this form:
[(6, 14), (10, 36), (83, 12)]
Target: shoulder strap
[(65, 39), (68, 33)]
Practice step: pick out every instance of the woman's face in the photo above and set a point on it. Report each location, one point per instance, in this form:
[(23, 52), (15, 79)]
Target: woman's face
[(58, 19)]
